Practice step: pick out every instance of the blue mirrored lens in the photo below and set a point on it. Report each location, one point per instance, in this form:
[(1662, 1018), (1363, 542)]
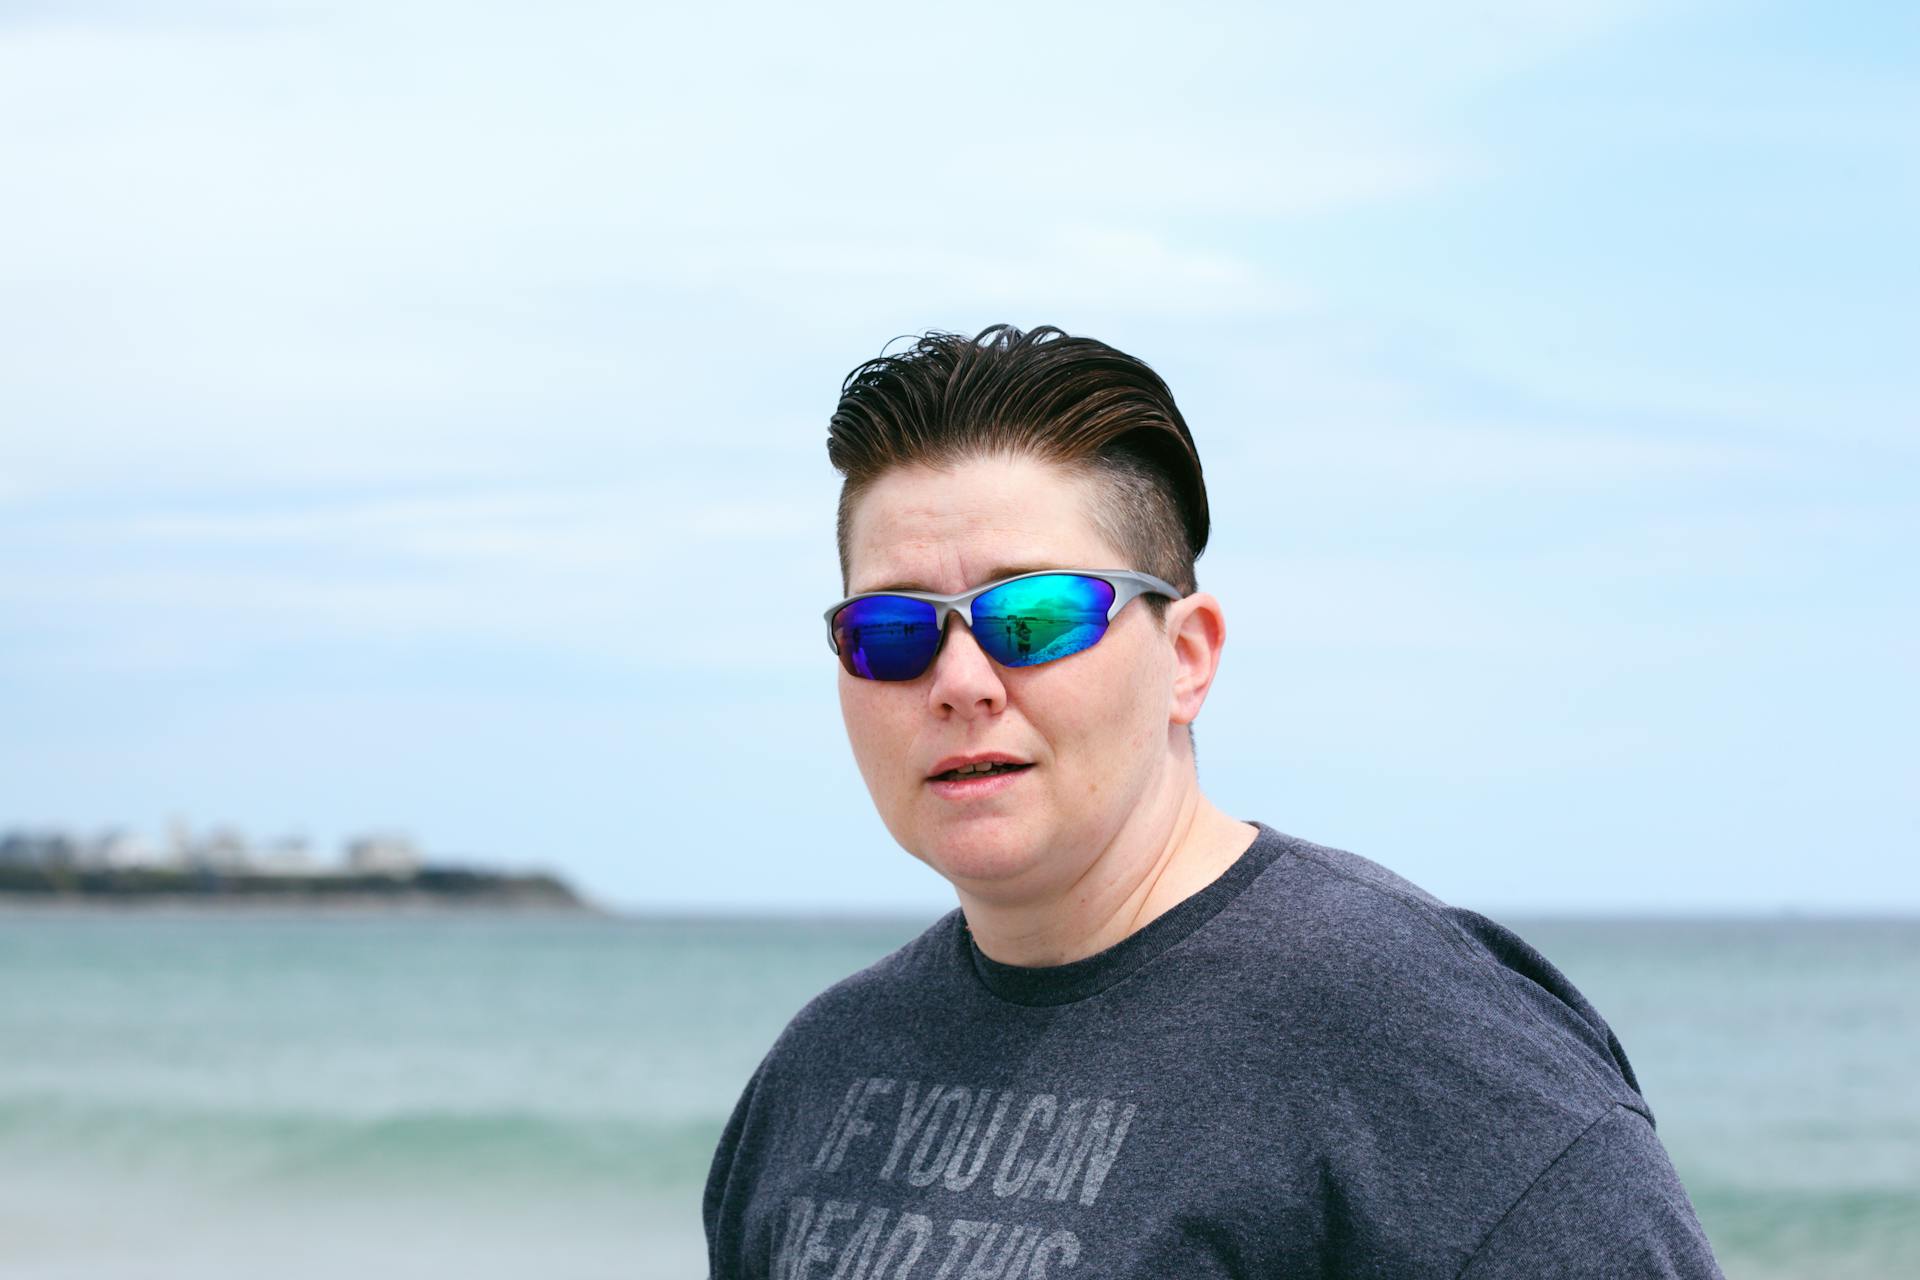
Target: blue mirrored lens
[(886, 637), (1033, 620)]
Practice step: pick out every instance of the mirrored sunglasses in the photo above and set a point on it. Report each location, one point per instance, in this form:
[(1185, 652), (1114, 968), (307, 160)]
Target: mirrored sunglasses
[(1020, 621)]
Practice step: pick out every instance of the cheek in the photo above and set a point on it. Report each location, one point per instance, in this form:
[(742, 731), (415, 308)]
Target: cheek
[(874, 725), (1127, 725), (1093, 727)]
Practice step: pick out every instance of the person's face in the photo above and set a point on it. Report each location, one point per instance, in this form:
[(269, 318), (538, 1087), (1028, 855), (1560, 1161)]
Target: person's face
[(1094, 725)]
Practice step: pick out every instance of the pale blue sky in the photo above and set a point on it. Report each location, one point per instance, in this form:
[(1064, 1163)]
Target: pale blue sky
[(412, 416)]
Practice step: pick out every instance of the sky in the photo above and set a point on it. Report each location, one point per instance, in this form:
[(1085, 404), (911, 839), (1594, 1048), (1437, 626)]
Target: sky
[(412, 418)]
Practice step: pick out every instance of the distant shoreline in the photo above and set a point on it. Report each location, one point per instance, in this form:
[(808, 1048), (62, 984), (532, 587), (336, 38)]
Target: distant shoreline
[(288, 904), (438, 889)]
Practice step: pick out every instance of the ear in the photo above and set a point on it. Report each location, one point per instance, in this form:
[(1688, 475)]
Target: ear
[(1197, 630)]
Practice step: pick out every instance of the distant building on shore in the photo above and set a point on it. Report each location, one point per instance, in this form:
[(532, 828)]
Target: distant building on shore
[(383, 855), (223, 868), (222, 850), (289, 856)]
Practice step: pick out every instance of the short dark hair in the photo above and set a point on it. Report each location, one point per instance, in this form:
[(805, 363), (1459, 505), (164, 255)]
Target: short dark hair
[(1074, 402)]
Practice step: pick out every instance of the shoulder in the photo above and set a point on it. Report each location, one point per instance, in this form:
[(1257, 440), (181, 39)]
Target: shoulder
[(1347, 917), (839, 1018), (893, 986), (1610, 1204), (1347, 889), (1372, 950)]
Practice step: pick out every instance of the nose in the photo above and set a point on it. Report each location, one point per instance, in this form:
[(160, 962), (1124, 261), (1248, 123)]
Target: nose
[(965, 681)]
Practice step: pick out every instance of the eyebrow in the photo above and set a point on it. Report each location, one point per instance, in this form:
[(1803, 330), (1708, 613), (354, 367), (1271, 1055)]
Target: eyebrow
[(993, 575)]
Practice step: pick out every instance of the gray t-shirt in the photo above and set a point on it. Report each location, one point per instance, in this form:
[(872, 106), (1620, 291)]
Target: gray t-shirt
[(1311, 1067)]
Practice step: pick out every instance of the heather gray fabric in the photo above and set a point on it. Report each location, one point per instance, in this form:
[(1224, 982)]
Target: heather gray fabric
[(1309, 1068)]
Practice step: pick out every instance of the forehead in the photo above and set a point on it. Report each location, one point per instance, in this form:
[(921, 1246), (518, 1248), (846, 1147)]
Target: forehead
[(951, 528)]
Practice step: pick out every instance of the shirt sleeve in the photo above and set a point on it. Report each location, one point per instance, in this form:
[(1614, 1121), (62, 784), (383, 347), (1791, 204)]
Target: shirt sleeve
[(1610, 1206), (718, 1216)]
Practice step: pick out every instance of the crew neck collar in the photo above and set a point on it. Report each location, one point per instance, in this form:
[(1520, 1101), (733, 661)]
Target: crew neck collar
[(1047, 985)]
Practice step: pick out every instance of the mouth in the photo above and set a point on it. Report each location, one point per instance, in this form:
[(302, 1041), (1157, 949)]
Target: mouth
[(990, 769), (978, 779)]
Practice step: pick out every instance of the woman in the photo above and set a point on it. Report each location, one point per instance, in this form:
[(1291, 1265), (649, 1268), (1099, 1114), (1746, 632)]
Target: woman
[(1152, 1040)]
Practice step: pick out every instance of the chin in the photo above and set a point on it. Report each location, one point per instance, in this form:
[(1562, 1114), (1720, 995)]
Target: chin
[(981, 853)]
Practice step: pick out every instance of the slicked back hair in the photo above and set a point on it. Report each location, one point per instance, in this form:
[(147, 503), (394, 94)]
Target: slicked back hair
[(1074, 402), (1039, 394)]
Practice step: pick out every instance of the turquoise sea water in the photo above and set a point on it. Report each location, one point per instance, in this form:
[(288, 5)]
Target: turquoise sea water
[(309, 1095)]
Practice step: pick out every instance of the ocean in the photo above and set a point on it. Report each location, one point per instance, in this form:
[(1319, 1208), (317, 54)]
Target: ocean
[(306, 1094)]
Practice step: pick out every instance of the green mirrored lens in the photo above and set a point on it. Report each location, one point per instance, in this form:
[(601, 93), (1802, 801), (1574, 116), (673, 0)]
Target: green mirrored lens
[(1029, 621)]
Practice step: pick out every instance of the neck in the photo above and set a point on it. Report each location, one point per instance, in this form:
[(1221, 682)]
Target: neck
[(1161, 856)]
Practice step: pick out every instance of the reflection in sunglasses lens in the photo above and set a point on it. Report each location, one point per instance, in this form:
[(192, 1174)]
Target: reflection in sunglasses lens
[(886, 637), (1035, 620)]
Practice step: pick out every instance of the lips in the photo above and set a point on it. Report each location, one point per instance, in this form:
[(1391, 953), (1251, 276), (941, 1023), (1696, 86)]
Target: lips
[(949, 769), (979, 788)]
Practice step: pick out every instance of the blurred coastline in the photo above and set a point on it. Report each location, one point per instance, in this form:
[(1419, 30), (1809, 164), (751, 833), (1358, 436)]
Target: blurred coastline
[(223, 869)]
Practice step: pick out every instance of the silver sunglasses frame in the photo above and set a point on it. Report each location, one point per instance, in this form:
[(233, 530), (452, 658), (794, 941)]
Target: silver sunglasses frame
[(1126, 584)]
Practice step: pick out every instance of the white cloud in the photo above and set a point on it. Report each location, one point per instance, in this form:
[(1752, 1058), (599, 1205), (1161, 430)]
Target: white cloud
[(355, 241)]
